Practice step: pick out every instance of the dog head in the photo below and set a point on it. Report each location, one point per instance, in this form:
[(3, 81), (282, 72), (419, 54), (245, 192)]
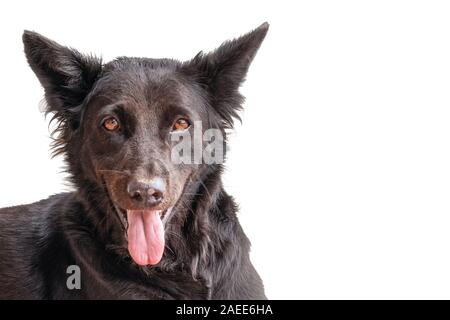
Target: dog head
[(120, 124)]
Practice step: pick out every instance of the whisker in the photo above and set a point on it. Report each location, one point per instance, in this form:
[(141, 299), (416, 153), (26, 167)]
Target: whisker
[(114, 171), (206, 188), (169, 232)]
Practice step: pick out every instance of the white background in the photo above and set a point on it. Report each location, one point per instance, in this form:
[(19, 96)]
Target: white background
[(342, 164)]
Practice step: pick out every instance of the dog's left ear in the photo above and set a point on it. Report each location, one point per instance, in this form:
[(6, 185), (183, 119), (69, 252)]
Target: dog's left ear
[(66, 75), (222, 71)]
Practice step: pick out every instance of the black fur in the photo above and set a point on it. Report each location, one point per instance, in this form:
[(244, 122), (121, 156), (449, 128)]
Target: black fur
[(207, 252)]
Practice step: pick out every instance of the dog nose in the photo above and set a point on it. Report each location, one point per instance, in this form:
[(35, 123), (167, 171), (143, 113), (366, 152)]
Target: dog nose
[(146, 193)]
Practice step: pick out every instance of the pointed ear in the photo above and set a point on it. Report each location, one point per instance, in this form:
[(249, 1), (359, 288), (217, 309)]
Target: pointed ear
[(222, 71), (66, 75)]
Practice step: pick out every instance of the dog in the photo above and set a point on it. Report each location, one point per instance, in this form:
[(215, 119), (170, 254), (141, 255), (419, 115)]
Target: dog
[(139, 225)]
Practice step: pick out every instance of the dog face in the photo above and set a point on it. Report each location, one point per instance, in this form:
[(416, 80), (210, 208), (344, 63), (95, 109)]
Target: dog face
[(133, 115), (118, 124)]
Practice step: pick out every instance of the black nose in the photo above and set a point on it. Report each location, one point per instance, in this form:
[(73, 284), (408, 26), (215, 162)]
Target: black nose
[(149, 193)]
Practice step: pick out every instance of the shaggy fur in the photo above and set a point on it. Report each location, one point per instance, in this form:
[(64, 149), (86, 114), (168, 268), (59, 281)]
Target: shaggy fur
[(206, 254)]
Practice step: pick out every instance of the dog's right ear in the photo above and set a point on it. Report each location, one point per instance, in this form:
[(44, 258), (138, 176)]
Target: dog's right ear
[(66, 75)]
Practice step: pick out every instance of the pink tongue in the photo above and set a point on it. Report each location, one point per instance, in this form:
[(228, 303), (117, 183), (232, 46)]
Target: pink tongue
[(145, 236)]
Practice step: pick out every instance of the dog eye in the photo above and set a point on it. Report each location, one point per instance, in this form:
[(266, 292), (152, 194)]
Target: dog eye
[(111, 124), (181, 124)]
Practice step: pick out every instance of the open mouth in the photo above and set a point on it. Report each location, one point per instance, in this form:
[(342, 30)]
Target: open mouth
[(123, 215), (144, 226), (145, 233)]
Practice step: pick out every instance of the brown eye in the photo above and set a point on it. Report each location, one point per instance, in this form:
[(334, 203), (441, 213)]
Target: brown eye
[(111, 124), (181, 124)]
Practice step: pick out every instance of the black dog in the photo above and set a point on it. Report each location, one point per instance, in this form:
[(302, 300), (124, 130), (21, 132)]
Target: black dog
[(139, 225)]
